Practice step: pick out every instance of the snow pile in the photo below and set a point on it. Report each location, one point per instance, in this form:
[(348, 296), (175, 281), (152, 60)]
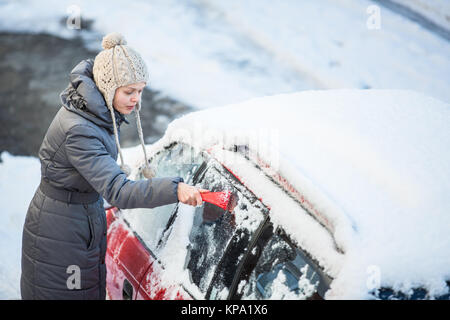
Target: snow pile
[(379, 159)]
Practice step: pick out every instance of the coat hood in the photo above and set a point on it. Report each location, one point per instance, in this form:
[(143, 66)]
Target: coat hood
[(83, 97)]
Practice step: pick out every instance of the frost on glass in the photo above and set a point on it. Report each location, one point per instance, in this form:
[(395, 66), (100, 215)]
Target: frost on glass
[(282, 272), (178, 161), (219, 238)]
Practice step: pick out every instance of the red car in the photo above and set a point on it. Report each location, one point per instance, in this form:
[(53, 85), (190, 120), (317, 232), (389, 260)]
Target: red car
[(230, 253)]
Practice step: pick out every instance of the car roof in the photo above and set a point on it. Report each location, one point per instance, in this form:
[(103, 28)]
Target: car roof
[(376, 163)]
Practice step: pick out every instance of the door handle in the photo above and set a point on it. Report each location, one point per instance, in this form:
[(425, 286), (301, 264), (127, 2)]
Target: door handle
[(127, 291)]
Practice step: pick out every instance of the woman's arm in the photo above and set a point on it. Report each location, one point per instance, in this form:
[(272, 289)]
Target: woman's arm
[(86, 152)]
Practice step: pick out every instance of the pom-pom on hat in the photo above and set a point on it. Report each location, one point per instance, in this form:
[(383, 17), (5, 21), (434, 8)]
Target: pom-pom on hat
[(116, 66)]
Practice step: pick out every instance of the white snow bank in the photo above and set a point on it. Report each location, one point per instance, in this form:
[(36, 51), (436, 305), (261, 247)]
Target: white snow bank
[(378, 159), (19, 179)]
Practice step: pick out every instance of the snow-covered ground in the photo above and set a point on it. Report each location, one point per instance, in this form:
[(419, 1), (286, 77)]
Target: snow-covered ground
[(437, 11), (19, 178), (208, 53)]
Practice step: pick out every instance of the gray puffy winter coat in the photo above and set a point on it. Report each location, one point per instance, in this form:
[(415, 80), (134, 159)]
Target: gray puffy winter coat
[(64, 238)]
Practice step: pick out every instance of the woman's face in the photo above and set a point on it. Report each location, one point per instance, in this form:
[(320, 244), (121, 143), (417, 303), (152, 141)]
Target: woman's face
[(126, 97)]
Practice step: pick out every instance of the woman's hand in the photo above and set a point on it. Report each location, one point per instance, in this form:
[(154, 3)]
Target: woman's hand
[(189, 195)]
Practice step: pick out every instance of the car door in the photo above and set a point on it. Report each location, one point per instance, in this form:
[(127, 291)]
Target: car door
[(126, 258), (211, 242), (133, 234), (238, 254)]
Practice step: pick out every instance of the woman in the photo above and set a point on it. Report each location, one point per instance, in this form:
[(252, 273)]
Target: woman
[(65, 226)]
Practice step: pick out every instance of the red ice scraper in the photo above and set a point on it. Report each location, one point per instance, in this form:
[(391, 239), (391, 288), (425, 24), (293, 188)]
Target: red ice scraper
[(223, 199)]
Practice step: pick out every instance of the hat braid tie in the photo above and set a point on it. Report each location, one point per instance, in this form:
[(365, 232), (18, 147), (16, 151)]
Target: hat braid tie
[(148, 172)]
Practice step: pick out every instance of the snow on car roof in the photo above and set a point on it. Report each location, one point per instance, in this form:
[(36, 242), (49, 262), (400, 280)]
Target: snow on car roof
[(376, 163)]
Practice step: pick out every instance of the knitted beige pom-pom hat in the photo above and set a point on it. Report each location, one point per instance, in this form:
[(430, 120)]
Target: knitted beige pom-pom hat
[(116, 66)]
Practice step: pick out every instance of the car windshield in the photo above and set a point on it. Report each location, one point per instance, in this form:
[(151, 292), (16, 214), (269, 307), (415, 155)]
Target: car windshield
[(175, 160)]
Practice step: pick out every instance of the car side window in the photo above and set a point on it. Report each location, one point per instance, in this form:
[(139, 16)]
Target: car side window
[(219, 238), (177, 160), (283, 271)]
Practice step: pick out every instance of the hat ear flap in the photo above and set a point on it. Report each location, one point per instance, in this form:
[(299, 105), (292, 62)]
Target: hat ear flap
[(110, 98)]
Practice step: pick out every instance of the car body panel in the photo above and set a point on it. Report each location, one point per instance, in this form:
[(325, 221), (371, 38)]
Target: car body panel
[(153, 287), (126, 257)]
